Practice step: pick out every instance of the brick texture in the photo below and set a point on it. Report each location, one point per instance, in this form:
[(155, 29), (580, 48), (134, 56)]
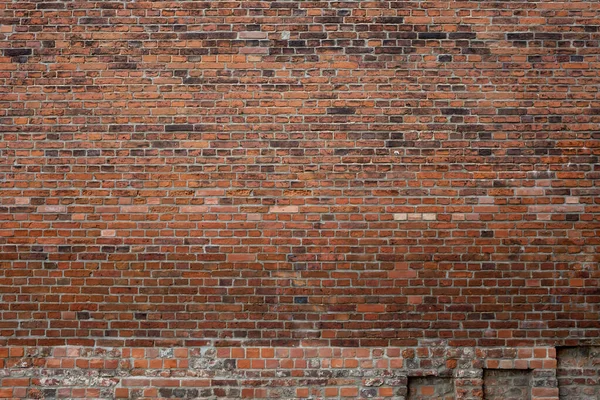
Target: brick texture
[(430, 388), (434, 371), (509, 384), (579, 373), (295, 175)]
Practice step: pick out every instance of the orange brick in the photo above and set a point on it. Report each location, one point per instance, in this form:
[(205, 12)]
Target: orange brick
[(267, 352), (535, 364), (238, 353), (181, 353), (337, 363), (14, 382), (138, 353), (350, 363), (427, 390), (539, 353), (195, 382), (252, 353), (17, 352), (349, 392)]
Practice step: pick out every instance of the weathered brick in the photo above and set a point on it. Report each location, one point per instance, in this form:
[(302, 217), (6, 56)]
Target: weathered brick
[(17, 52), (186, 183)]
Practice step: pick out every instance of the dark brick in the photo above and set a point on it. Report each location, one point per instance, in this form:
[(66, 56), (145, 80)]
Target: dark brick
[(179, 128), (455, 111), (519, 36), (512, 111), (284, 143), (462, 35), (17, 52), (341, 110), (93, 21), (432, 35), (83, 315), (390, 20), (399, 143), (50, 6)]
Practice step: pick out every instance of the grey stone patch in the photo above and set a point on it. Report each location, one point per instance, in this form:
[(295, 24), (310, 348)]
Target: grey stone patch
[(166, 353), (368, 393), (374, 382)]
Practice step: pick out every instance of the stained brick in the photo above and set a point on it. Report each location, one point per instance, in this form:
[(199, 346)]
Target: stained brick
[(17, 52), (421, 388), (341, 110), (509, 384), (577, 372)]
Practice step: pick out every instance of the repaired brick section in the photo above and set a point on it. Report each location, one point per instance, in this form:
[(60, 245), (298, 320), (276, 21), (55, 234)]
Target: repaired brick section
[(507, 384), (578, 372), (430, 387)]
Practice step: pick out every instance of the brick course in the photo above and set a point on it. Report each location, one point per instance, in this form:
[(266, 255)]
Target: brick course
[(292, 176)]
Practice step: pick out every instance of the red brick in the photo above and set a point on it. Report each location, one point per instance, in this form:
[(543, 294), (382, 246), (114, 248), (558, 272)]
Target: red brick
[(14, 382), (349, 392)]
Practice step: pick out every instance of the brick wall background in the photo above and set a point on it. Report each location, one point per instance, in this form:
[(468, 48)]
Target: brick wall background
[(390, 199)]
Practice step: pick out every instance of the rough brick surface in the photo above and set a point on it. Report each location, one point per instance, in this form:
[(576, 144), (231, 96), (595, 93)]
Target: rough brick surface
[(430, 388), (509, 384), (578, 373), (434, 371), (296, 174)]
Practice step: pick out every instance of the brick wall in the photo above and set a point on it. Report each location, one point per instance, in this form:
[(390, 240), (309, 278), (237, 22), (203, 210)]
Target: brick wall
[(424, 388), (297, 199), (509, 384), (579, 372)]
